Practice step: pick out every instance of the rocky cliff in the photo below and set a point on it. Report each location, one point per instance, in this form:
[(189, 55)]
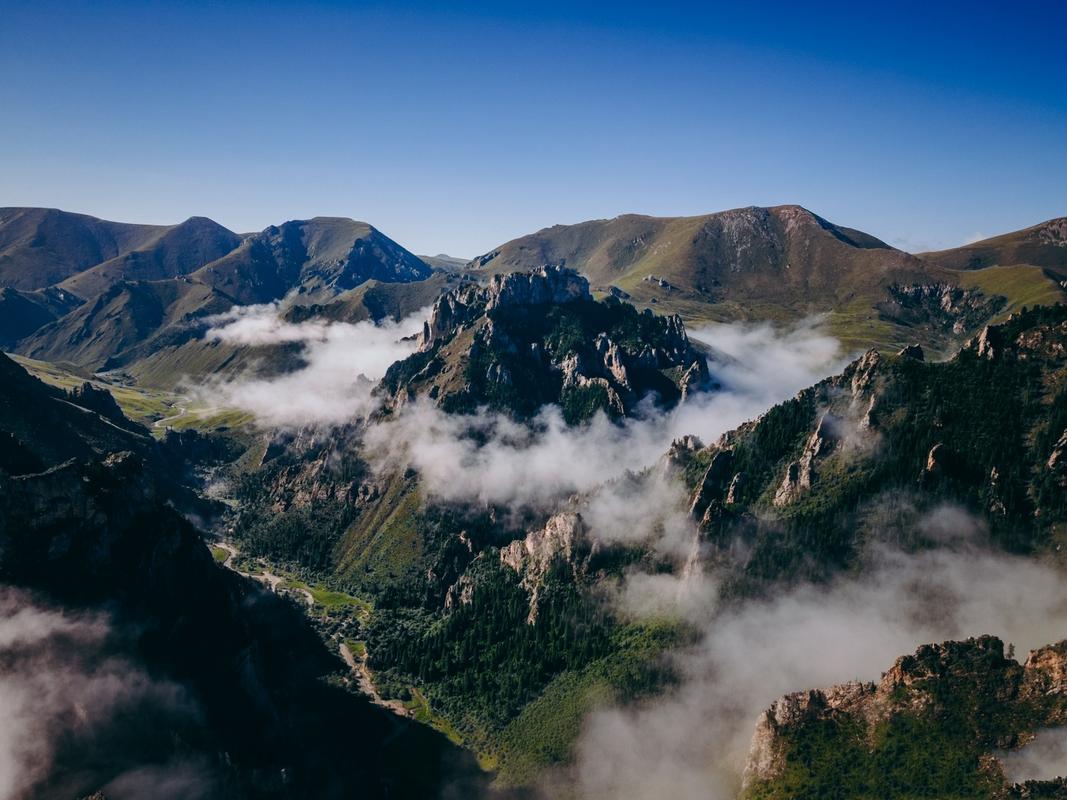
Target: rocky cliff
[(966, 695), (802, 484), (528, 339)]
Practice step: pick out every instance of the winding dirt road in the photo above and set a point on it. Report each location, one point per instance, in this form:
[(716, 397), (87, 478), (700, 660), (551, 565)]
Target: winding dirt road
[(366, 684), (357, 665), (269, 578), (159, 423)]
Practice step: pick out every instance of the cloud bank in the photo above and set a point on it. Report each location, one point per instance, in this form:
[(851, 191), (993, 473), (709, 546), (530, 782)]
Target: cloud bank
[(76, 714), (488, 458), (693, 742), (342, 363)]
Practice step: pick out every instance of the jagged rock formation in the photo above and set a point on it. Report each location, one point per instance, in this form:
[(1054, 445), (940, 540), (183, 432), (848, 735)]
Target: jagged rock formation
[(804, 478), (527, 339), (939, 305), (987, 700), (562, 539)]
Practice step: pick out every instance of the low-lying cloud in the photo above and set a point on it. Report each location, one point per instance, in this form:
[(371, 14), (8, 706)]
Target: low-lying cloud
[(693, 742), (342, 363), (74, 711), (488, 458), (1043, 759)]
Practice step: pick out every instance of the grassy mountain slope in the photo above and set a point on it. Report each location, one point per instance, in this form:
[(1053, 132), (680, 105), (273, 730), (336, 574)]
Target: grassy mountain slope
[(375, 300), (1043, 246), (775, 264), (125, 323), (446, 262), (179, 250), (23, 312), (43, 246)]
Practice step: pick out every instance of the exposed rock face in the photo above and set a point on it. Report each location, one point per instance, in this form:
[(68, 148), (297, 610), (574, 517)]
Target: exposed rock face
[(1042, 341), (544, 286), (952, 308), (714, 487), (914, 352), (1057, 460), (528, 339), (801, 473), (562, 539), (976, 671)]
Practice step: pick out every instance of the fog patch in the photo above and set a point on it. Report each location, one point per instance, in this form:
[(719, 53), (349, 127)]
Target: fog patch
[(694, 740), (71, 707), (342, 363), (1042, 759), (490, 459)]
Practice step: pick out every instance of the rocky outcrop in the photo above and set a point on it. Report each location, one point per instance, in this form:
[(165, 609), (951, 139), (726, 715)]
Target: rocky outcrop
[(941, 305), (914, 352), (525, 340), (100, 400), (1006, 701), (1057, 460), (800, 474), (1019, 338), (548, 285), (561, 539)]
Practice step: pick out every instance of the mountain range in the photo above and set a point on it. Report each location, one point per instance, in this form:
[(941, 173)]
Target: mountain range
[(519, 562), (101, 294)]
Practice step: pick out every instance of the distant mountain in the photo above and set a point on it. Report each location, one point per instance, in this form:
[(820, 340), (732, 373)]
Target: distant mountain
[(1043, 245), (146, 287), (40, 247), (775, 263), (446, 262), (320, 257), (179, 250)]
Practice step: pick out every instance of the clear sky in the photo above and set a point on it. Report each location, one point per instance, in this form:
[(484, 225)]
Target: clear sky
[(926, 124)]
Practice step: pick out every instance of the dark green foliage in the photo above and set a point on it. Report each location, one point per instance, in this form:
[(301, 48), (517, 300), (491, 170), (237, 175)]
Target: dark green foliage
[(912, 757), (579, 403), (931, 748), (996, 421), (484, 660)]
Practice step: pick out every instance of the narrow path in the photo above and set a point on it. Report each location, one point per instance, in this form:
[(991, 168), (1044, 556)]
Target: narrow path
[(182, 411), (269, 578), (366, 684), (357, 665)]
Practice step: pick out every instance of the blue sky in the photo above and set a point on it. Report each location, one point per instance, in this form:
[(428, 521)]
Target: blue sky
[(926, 124)]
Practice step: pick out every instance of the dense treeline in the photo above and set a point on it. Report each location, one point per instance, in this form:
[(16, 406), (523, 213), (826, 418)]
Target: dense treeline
[(994, 422)]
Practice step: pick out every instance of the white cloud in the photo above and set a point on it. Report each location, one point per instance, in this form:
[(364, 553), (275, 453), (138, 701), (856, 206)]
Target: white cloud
[(489, 458), (693, 741), (343, 362), (61, 689)]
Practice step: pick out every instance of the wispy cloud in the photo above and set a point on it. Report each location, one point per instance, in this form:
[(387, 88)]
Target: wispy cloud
[(488, 458), (342, 363), (693, 741)]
